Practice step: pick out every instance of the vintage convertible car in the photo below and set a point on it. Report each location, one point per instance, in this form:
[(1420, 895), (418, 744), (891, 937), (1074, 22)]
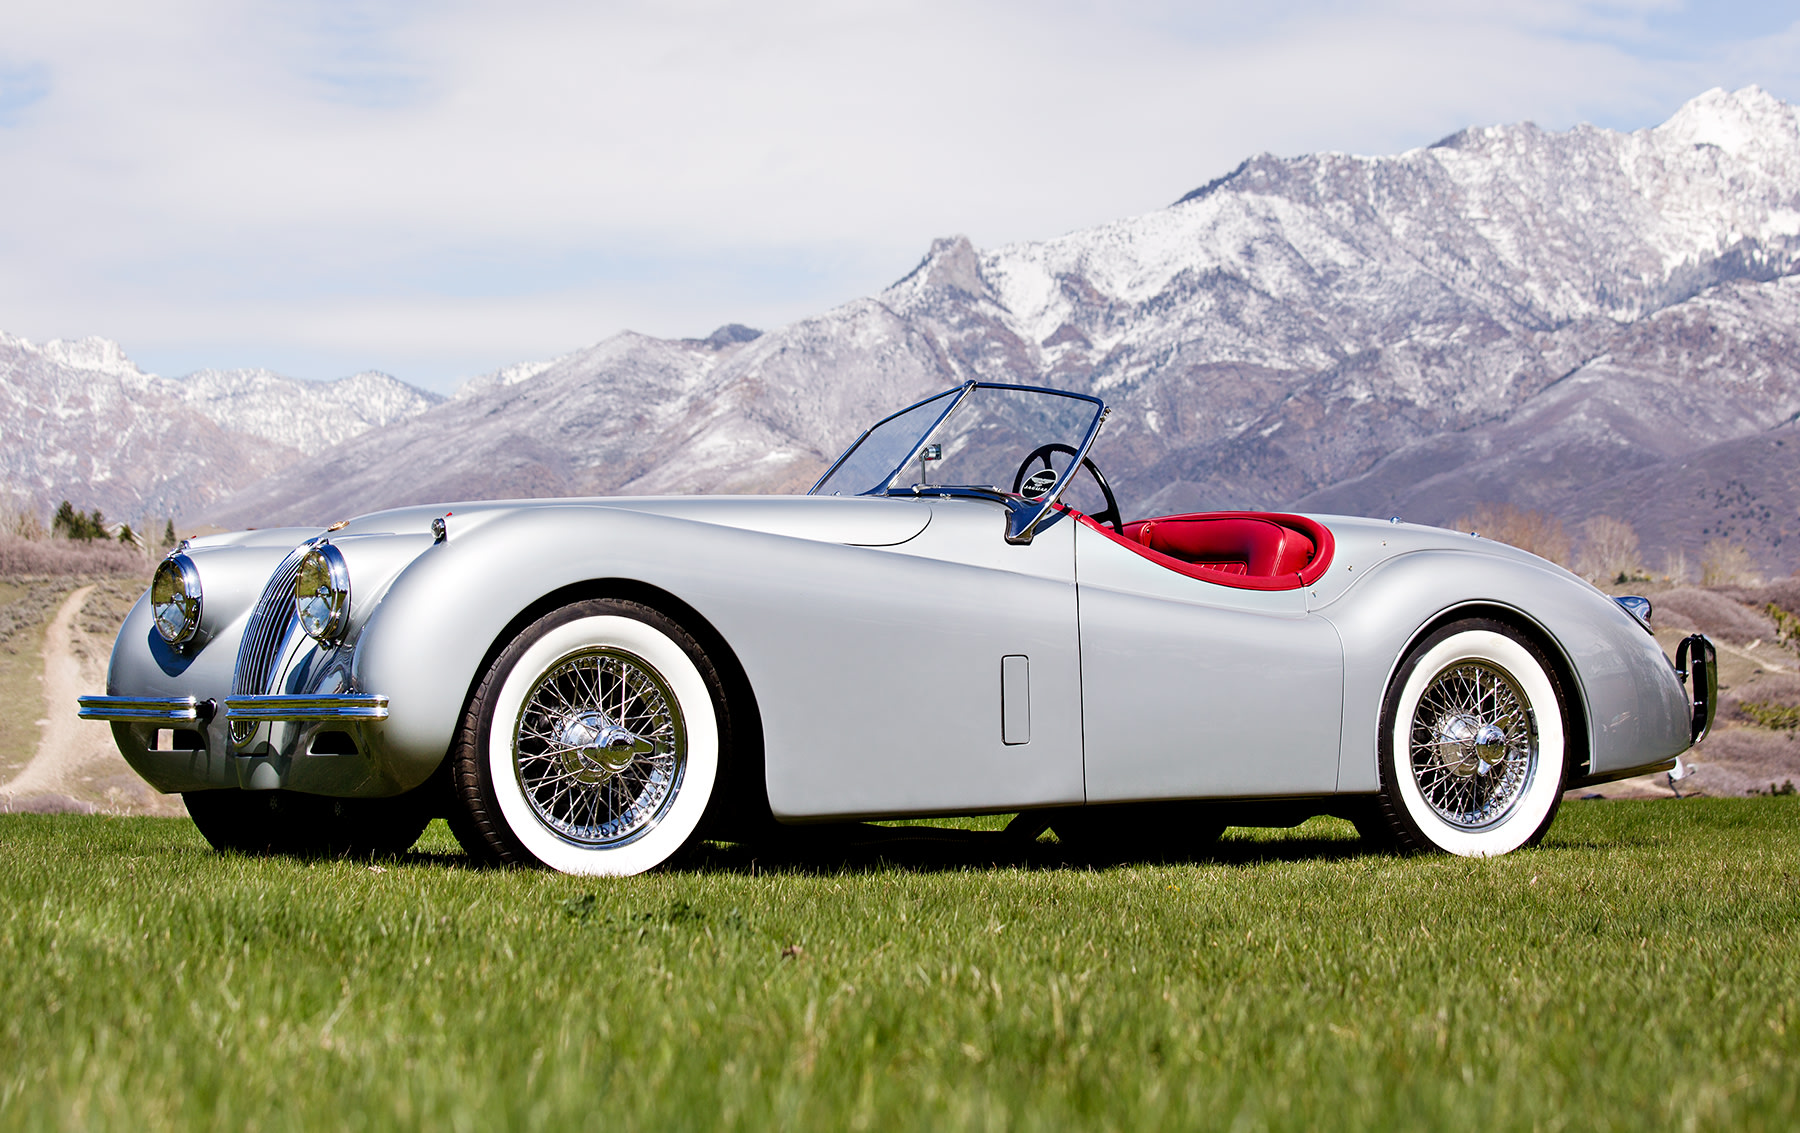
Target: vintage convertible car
[(595, 684)]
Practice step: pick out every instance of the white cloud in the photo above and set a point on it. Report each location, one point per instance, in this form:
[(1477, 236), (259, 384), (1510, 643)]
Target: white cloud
[(437, 188)]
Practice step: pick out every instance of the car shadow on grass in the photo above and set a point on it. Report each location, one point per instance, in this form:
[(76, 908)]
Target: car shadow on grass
[(863, 848)]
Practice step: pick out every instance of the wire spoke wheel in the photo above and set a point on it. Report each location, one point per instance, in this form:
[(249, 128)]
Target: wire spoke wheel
[(593, 743), (1473, 744), (600, 747)]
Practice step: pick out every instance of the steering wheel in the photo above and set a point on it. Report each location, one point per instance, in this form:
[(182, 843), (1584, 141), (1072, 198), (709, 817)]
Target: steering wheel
[(1042, 452)]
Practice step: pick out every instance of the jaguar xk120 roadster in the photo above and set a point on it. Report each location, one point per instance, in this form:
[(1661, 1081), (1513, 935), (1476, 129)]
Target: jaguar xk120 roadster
[(594, 684)]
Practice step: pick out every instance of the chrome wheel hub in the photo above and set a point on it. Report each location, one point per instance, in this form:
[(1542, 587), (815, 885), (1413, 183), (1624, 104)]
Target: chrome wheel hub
[(1473, 744), (595, 748), (600, 748)]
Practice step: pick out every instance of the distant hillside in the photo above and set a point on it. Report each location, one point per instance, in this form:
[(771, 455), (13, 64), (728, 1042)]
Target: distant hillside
[(82, 422)]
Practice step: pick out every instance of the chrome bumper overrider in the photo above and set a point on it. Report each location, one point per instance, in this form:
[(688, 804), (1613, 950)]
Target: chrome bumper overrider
[(1697, 664), (147, 709), (257, 708)]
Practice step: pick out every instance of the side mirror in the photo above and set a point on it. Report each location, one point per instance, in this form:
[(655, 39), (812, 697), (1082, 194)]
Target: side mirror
[(928, 455)]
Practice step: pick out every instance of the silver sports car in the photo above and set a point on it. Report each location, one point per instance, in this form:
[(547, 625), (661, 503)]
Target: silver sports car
[(935, 629)]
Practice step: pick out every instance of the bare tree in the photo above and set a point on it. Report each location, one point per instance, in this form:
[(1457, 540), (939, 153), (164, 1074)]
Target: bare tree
[(1675, 566), (1724, 563), (1609, 551), (1533, 531)]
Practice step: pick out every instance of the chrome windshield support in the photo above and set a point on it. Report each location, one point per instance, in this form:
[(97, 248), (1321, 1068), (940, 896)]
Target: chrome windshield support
[(1023, 523), (250, 708), (147, 709)]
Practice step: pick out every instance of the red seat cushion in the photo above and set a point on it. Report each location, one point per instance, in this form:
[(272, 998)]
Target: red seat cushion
[(1260, 548), (1249, 550)]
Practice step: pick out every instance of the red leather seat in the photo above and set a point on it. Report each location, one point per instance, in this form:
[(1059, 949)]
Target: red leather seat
[(1251, 550), (1253, 546)]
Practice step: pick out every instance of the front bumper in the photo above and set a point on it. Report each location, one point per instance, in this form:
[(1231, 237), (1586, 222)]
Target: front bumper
[(175, 710), (342, 707), (322, 744), (171, 710)]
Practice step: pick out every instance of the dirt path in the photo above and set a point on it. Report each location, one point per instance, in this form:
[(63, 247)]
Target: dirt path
[(76, 767)]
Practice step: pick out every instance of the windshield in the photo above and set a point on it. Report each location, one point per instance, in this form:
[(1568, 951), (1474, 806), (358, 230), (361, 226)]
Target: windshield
[(872, 460), (983, 441), (979, 437)]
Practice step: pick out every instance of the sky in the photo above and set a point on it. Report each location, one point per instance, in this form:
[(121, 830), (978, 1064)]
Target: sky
[(439, 189)]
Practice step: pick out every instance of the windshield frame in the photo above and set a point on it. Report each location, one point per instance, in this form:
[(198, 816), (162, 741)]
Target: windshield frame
[(1023, 516)]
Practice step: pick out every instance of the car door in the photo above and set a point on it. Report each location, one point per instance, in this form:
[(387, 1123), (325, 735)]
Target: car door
[(1192, 689), (940, 675)]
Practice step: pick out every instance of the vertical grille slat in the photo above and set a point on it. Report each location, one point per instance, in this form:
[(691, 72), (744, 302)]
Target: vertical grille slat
[(268, 628)]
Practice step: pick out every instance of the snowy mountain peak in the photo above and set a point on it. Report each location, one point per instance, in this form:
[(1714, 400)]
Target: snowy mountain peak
[(505, 376), (100, 355), (1738, 122)]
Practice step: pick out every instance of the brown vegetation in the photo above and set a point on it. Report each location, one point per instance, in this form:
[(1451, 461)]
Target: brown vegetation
[(1609, 551), (61, 558), (1533, 531), (1712, 613), (1724, 563)]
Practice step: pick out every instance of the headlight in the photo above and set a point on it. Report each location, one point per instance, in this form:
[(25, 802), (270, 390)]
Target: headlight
[(175, 599), (322, 593)]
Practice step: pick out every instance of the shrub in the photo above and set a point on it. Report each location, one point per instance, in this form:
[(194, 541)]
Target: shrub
[(1724, 563), (55, 557), (1779, 717), (1713, 614), (1533, 531), (1609, 550)]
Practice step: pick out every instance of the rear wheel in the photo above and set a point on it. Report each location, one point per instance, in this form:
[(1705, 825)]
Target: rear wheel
[(1474, 742), (593, 743)]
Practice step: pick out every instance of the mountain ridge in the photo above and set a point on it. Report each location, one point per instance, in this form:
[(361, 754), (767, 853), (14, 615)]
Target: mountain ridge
[(1565, 320)]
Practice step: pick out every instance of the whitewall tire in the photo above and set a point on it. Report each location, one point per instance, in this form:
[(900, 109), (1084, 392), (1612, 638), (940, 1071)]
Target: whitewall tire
[(593, 744), (1474, 742)]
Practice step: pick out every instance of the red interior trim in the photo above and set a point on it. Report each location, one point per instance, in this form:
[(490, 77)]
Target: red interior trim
[(1249, 550)]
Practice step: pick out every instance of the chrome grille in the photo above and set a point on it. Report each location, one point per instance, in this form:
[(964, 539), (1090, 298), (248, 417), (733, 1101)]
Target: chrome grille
[(268, 629)]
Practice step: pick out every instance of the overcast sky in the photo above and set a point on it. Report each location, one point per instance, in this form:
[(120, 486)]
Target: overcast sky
[(438, 189)]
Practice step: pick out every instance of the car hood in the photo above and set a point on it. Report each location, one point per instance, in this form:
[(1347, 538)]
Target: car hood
[(860, 521)]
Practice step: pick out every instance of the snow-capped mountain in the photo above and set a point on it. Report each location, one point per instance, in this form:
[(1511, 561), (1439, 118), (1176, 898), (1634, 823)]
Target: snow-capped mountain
[(1553, 319), (1584, 322), (83, 423)]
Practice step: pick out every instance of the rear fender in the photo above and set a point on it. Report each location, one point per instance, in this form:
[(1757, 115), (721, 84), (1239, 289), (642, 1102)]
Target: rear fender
[(1635, 708)]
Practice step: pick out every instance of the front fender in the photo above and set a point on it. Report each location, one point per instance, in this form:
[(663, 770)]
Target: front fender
[(424, 644), (1636, 710)]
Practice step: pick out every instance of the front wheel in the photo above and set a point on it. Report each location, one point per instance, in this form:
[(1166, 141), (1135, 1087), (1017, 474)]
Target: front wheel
[(1474, 742), (592, 744)]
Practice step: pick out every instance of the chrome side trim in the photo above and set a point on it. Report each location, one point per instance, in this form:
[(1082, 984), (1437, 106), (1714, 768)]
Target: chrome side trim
[(306, 707), (145, 709)]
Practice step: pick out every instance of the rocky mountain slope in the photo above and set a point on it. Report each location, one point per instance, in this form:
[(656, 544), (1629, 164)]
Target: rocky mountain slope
[(82, 422), (1580, 322)]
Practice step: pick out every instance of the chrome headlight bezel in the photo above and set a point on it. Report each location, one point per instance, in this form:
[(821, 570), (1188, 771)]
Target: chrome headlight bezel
[(322, 594), (176, 600)]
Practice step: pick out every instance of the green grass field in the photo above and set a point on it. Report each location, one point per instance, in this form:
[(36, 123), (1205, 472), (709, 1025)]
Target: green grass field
[(1639, 970)]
